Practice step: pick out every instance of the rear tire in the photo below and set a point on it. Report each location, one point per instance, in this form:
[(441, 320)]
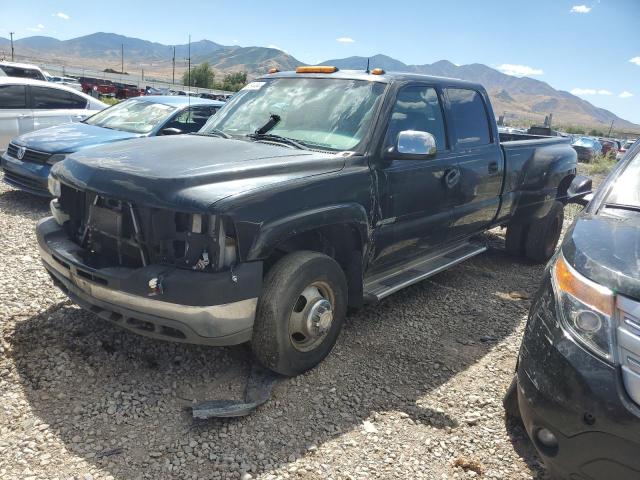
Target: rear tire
[(510, 400), (544, 234), (300, 312), (515, 239)]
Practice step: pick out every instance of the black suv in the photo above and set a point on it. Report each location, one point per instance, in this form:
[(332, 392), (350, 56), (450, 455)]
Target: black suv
[(577, 387)]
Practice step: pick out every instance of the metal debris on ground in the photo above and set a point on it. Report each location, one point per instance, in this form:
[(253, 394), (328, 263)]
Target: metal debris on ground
[(258, 390)]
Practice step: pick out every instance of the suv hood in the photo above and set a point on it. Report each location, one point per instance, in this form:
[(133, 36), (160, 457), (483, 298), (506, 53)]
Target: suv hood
[(188, 172), (70, 137), (606, 249)]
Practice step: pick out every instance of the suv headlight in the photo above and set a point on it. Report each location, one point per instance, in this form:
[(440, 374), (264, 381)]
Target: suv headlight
[(54, 186), (586, 309)]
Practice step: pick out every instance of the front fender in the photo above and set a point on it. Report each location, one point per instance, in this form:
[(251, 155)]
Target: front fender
[(274, 232)]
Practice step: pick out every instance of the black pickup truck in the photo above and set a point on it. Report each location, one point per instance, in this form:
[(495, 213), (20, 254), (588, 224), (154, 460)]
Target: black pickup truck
[(308, 193)]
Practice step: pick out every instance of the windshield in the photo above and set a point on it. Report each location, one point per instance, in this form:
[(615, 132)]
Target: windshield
[(626, 188), (332, 114), (133, 116), (585, 142)]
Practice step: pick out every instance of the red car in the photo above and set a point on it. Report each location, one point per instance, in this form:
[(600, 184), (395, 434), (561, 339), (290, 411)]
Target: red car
[(609, 146)]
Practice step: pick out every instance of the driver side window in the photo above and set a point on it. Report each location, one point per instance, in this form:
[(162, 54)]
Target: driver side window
[(417, 108)]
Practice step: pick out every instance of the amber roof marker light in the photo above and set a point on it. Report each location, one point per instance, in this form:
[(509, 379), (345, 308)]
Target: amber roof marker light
[(377, 71), (317, 69), (273, 70)]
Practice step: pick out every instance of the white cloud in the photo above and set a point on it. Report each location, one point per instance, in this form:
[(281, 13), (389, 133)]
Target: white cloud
[(580, 9), (61, 15), (519, 70), (590, 91), (635, 60), (345, 40), (37, 28), (625, 94)]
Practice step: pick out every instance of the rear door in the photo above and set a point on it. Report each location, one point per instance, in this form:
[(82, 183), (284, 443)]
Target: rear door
[(416, 203), (480, 161), (15, 116), (52, 106)]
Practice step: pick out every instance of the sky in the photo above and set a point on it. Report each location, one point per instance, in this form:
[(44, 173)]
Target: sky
[(590, 48)]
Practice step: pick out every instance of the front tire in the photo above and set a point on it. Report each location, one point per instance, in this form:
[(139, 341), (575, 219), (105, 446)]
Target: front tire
[(300, 312)]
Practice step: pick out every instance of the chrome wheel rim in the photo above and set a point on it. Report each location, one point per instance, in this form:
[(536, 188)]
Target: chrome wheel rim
[(311, 317)]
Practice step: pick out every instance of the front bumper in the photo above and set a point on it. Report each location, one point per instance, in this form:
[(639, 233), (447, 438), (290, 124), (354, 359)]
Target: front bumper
[(194, 307), (27, 176), (579, 398)]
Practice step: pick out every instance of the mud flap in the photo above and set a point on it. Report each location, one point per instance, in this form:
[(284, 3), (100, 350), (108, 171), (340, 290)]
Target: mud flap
[(258, 390)]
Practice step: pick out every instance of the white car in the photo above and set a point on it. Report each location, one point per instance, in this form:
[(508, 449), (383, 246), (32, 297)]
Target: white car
[(27, 105), (22, 70), (68, 81)]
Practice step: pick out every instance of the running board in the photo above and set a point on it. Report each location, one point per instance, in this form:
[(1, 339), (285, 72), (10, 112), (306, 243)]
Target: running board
[(384, 284)]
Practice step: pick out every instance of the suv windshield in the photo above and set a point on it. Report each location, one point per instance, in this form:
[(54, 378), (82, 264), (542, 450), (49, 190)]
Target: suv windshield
[(136, 116), (332, 114), (626, 188)]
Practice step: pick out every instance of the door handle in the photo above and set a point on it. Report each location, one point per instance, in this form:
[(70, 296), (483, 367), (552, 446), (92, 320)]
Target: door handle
[(493, 167), (452, 177)]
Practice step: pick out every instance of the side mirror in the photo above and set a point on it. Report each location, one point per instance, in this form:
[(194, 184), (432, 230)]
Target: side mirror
[(171, 131), (580, 190), (414, 145)]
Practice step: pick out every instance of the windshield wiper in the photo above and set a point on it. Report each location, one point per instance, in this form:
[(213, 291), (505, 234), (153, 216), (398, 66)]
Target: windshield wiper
[(278, 138), (622, 206), (214, 132)]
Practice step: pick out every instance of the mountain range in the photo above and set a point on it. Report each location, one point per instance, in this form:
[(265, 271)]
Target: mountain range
[(521, 98)]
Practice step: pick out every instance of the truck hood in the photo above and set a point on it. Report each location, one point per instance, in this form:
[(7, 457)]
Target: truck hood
[(70, 137), (188, 172), (606, 249)]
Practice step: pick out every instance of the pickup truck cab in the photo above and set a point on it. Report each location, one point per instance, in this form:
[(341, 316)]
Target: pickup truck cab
[(309, 192)]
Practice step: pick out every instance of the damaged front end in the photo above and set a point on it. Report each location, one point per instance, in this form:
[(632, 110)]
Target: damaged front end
[(114, 232), (165, 274)]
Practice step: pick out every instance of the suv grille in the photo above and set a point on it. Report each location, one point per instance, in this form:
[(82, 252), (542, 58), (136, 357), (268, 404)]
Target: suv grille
[(30, 155), (628, 334)]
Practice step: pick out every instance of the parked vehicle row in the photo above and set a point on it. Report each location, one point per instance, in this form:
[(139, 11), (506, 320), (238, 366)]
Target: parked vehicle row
[(27, 105), (29, 157), (315, 191)]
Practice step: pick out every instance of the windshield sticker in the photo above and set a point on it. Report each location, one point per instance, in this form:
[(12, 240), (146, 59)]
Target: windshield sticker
[(254, 86)]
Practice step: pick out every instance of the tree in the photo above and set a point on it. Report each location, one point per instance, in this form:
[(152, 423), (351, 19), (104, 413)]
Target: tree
[(233, 82), (201, 76)]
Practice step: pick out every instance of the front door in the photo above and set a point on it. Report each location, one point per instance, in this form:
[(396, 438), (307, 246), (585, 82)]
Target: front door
[(415, 200)]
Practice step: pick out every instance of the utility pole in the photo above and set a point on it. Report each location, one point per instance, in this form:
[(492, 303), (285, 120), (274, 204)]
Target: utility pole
[(173, 75), (122, 59), (610, 128), (12, 55), (189, 59)]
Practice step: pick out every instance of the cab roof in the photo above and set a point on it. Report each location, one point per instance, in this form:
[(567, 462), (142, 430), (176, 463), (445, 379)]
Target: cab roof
[(386, 77)]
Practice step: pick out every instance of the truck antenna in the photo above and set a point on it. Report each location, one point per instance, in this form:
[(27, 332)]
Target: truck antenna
[(368, 65)]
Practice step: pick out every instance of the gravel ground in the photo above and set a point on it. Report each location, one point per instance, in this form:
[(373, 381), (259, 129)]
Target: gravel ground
[(413, 388)]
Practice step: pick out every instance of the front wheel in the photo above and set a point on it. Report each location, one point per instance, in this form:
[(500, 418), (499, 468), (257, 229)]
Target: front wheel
[(300, 312)]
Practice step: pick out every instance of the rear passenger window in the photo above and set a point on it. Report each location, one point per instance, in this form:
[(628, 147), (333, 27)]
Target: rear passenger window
[(54, 98), (469, 117), (417, 108), (13, 96)]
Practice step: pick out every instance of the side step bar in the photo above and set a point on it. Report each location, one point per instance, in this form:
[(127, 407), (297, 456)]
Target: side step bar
[(384, 284)]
